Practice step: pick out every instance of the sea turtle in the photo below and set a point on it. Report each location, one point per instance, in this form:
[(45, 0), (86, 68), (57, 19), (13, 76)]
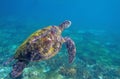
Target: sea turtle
[(41, 45)]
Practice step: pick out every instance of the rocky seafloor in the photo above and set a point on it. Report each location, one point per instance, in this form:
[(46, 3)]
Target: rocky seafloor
[(97, 57)]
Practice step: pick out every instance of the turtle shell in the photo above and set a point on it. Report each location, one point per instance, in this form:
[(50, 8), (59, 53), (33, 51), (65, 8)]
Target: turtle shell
[(42, 44)]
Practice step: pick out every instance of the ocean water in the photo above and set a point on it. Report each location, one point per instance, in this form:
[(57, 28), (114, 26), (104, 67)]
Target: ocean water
[(95, 30)]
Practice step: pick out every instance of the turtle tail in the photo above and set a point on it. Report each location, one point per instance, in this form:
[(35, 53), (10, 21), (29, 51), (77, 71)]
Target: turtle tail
[(17, 69)]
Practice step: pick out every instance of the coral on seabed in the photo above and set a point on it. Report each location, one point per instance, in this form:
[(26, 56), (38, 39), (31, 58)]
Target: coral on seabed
[(69, 72)]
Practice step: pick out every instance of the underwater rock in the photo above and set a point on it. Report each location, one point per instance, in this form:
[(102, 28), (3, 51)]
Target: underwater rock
[(69, 72), (88, 60), (33, 73), (54, 75), (118, 71), (4, 71), (59, 77), (46, 69), (100, 77), (86, 74), (112, 73), (84, 71), (55, 62)]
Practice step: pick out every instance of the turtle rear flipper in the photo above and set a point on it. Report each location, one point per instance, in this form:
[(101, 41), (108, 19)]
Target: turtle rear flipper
[(71, 48), (8, 61), (17, 69)]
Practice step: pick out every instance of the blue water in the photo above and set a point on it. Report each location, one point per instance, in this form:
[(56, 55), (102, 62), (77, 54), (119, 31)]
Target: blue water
[(95, 30), (84, 14)]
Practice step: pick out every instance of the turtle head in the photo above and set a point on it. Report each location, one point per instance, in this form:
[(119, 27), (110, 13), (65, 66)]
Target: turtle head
[(65, 24)]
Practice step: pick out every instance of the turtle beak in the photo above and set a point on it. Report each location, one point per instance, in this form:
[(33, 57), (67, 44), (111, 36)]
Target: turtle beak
[(65, 24)]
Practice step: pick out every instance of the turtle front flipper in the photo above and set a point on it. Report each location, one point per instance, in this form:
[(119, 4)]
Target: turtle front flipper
[(17, 69), (71, 48)]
